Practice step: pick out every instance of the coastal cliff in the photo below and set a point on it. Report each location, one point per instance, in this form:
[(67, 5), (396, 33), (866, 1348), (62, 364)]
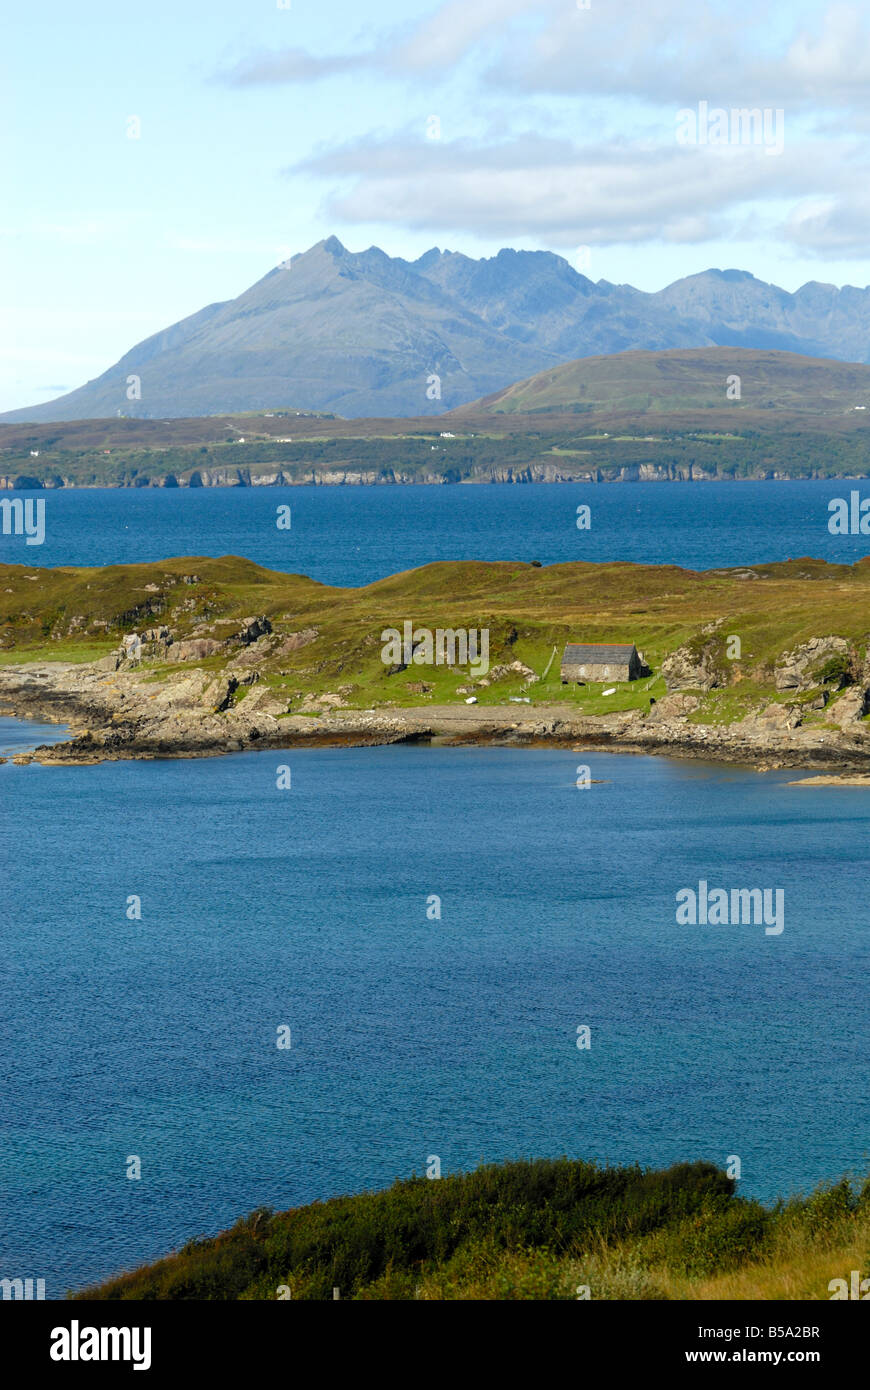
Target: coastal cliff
[(446, 474)]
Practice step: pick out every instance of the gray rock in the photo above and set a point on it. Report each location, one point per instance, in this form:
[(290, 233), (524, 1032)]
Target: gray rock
[(775, 716), (796, 670), (695, 666), (515, 668), (295, 641), (251, 629), (193, 649), (674, 706)]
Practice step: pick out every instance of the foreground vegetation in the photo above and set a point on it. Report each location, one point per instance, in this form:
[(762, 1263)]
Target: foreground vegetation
[(548, 1229)]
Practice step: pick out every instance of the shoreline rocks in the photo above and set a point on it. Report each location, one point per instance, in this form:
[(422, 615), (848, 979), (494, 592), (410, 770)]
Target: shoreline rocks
[(122, 714)]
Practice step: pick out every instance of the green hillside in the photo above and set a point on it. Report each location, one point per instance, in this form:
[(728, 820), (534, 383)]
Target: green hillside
[(68, 614), (690, 379), (550, 1229)]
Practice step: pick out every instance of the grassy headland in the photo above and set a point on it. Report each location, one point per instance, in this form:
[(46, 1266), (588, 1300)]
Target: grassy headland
[(73, 614), (767, 666), (549, 1229)]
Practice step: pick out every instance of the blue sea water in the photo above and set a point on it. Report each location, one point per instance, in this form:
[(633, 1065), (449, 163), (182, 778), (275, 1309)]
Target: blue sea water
[(410, 1036), (23, 735), (354, 535)]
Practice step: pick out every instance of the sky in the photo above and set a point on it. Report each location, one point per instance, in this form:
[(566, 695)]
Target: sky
[(159, 157)]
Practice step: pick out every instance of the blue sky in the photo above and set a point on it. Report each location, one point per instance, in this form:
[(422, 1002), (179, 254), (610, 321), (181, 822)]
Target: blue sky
[(265, 128)]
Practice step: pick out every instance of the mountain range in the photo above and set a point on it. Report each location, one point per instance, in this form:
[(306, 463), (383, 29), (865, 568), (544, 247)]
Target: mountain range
[(369, 335)]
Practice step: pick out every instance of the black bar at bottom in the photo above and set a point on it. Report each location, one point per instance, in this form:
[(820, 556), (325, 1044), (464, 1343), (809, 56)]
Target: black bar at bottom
[(658, 1338)]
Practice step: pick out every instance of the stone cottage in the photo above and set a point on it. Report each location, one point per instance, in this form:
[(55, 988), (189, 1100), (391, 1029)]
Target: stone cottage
[(601, 661)]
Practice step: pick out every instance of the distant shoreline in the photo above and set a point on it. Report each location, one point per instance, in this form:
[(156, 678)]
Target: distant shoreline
[(607, 429), (234, 478)]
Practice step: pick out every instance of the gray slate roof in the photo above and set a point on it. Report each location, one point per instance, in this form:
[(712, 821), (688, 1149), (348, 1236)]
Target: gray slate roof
[(597, 652)]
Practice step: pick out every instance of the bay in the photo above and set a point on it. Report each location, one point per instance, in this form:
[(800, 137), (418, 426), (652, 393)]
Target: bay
[(411, 1035)]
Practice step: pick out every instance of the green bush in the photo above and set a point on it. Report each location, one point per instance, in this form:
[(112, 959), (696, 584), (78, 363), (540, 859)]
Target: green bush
[(561, 1206), (717, 1239), (837, 670), (518, 1230)]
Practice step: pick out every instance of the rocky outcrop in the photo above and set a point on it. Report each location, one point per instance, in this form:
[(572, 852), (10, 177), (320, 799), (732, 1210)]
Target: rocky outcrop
[(252, 656), (854, 704), (226, 694), (802, 668), (675, 706), (775, 717), (514, 668), (193, 649), (251, 630), (295, 641), (698, 664), (158, 643), (316, 704)]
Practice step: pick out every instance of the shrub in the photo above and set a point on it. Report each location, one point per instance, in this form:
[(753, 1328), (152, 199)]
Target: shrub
[(837, 670)]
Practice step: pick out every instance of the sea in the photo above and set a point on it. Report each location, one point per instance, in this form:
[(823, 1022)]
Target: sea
[(463, 954), (352, 536)]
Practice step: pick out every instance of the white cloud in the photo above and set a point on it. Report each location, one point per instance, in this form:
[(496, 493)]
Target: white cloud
[(291, 65), (453, 30), (831, 227), (674, 51), (567, 194), (438, 42), (622, 70), (831, 65)]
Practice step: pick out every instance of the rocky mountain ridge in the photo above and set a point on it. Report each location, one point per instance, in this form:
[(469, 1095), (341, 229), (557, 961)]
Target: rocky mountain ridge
[(366, 334)]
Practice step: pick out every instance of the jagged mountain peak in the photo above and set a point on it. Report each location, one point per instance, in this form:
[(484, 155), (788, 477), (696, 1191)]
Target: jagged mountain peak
[(366, 333)]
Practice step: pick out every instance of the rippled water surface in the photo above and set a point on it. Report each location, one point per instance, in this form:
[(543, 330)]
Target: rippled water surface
[(410, 1036), (353, 535)]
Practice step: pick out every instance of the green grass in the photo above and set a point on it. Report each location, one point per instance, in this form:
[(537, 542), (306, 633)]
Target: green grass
[(545, 1229), (590, 698), (56, 651), (730, 705)]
